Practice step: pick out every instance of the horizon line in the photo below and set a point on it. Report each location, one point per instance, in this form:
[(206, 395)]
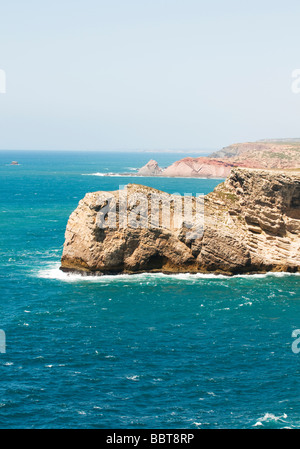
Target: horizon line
[(115, 150)]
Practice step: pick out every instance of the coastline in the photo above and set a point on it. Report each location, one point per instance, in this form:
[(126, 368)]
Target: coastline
[(133, 175), (54, 271), (240, 235), (84, 333)]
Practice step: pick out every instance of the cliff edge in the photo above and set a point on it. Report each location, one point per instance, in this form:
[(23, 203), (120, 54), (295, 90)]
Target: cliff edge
[(195, 167), (264, 154), (202, 167), (251, 224)]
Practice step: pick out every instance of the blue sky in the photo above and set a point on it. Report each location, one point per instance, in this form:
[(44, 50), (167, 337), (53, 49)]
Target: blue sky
[(147, 75)]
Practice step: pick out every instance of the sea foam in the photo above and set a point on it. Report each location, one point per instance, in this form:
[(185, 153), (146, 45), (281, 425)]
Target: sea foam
[(53, 272)]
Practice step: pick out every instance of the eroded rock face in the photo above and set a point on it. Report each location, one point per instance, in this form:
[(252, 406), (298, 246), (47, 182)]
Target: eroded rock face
[(267, 154), (251, 224), (150, 169), (198, 167), (201, 167)]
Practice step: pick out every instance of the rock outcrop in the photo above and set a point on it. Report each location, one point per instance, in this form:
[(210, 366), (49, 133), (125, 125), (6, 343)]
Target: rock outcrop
[(198, 167), (251, 224), (150, 169), (202, 167), (264, 154)]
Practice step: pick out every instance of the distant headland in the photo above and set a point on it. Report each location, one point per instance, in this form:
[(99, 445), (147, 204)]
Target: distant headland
[(268, 154), (263, 154)]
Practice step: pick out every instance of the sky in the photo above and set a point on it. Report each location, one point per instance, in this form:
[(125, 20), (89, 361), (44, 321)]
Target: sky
[(182, 75)]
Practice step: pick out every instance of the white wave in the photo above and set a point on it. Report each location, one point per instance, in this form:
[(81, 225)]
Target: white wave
[(211, 393), (258, 423), (53, 272), (93, 174), (263, 275), (270, 417), (134, 378), (117, 175), (132, 175)]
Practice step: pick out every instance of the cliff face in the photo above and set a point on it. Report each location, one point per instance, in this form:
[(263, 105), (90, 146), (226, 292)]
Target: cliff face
[(202, 167), (150, 169), (198, 167), (251, 224), (268, 154), (263, 154)]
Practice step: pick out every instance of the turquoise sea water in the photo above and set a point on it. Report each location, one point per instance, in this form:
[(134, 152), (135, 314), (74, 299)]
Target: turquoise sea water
[(141, 351)]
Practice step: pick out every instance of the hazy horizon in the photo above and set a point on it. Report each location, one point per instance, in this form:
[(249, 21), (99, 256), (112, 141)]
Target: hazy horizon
[(116, 150), (161, 76), (172, 150)]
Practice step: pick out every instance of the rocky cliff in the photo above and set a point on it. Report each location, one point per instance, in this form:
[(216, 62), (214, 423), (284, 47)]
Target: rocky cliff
[(198, 167), (269, 154), (150, 169), (202, 167), (264, 154), (251, 224)]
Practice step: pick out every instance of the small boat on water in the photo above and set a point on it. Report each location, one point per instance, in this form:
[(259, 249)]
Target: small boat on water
[(14, 163)]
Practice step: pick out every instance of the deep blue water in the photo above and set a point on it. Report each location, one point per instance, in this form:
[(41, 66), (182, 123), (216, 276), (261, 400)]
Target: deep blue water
[(142, 351)]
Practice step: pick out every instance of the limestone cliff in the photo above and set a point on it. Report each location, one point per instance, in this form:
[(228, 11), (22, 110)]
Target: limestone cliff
[(251, 224)]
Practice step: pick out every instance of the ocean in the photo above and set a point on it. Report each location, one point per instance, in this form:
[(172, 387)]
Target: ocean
[(147, 351)]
